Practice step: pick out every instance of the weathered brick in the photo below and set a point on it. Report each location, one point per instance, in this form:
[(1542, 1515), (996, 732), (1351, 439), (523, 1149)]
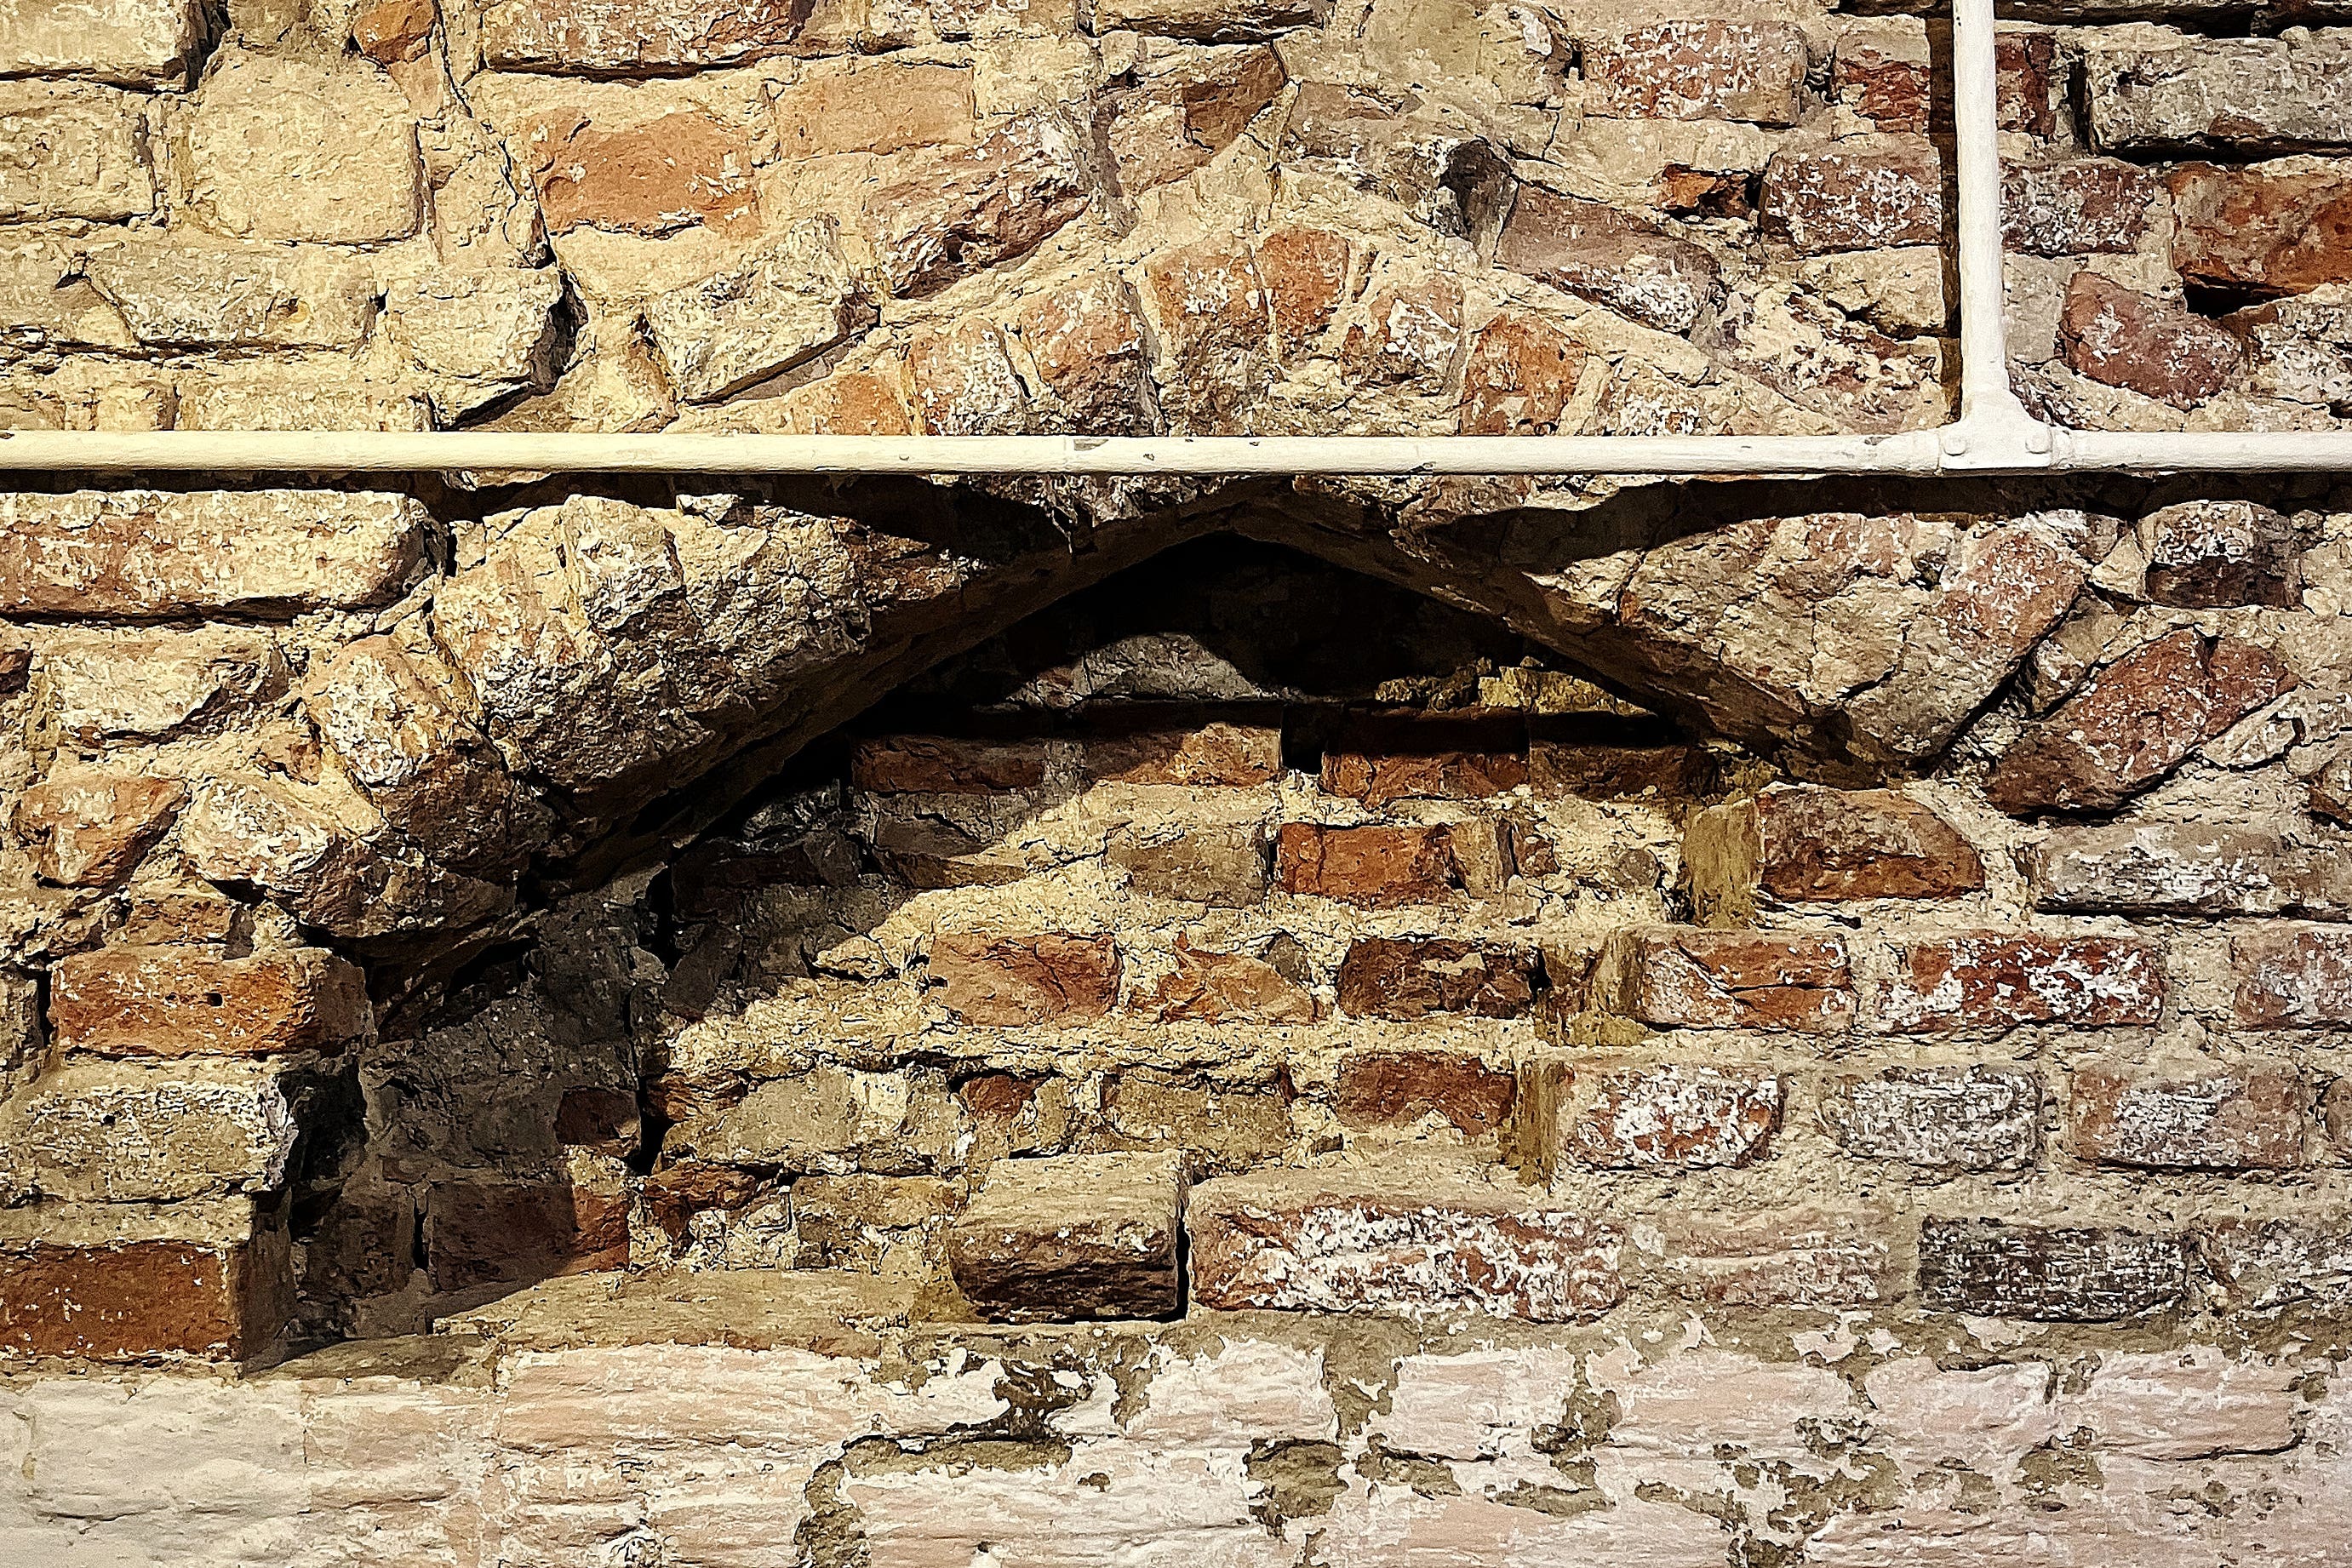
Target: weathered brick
[(1518, 377), (2261, 1264), (2263, 231), (668, 174), (2024, 70), (1598, 771), (72, 152), (1682, 978), (1803, 843), (1674, 1117), (1018, 980), (173, 1001), (2222, 94), (955, 210), (121, 1132), (2252, 1117), (1856, 195), (1882, 72), (1383, 1087), (114, 1282), (2298, 349), (2294, 979), (1225, 864), (1803, 1258), (2144, 344), (1218, 755), (2083, 206), (1344, 1242), (1938, 1117), (1592, 249), (148, 555), (1412, 977), (1379, 866), (1994, 980), (2182, 868), (2211, 553), (135, 42), (506, 1233), (638, 37), (2049, 1273), (940, 764), (1408, 334), (89, 826), (1380, 779), (1698, 68), (1072, 1237), (1225, 988), (2134, 723), (112, 687), (680, 1189)]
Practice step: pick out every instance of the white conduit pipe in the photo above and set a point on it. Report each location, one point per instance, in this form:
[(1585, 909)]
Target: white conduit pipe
[(1994, 434)]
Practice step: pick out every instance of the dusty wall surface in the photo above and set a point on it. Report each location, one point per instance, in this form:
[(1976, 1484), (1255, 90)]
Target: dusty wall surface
[(1037, 1022)]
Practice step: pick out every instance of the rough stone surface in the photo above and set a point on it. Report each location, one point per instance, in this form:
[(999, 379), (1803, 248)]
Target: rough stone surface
[(170, 1001), (2223, 94), (2144, 344), (1731, 980), (2261, 231), (722, 334), (1081, 1236), (1885, 192), (1808, 845), (1385, 977)]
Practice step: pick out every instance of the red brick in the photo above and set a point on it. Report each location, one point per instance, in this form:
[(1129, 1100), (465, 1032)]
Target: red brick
[(1676, 1117), (89, 826), (2134, 723), (2144, 344), (684, 168), (1856, 197), (2251, 1118), (934, 764), (1215, 756), (1342, 1242), (1673, 977), (2049, 1273), (1224, 988), (1412, 977), (1378, 780), (1698, 68), (1306, 274), (1993, 980), (1594, 251), (1379, 866), (501, 1233), (2294, 979), (392, 31), (1800, 1259), (1518, 377), (1892, 93), (1803, 843), (177, 1000), (1007, 982), (2257, 234), (2080, 207), (137, 1299), (1593, 771), (1940, 1118), (1405, 1086)]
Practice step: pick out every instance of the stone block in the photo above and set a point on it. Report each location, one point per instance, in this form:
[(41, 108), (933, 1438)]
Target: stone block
[(1602, 771), (1343, 1241), (89, 826), (2079, 1274), (1678, 977), (1219, 1126), (638, 37), (1995, 981), (1188, 106), (1519, 377), (1673, 1116), (1211, 311), (1378, 866), (1305, 273), (1011, 982), (1092, 356), (960, 381), (1804, 844), (2183, 868), (781, 306), (1072, 1237), (1217, 755), (479, 335), (832, 1119), (226, 297), (1938, 1117), (119, 1132), (2261, 231), (280, 148), (2292, 979), (2144, 344), (114, 687), (2233, 95), (1697, 68), (2223, 1119), (955, 211), (2299, 348), (1385, 1088), (119, 1282), (1224, 864), (518, 1232), (655, 178), (136, 43), (1210, 987), (178, 1002), (1407, 335), (2263, 1264), (145, 555), (2083, 206), (1413, 978), (938, 764), (1592, 249), (884, 107), (1206, 21), (1811, 352), (1860, 194), (2214, 553), (72, 152)]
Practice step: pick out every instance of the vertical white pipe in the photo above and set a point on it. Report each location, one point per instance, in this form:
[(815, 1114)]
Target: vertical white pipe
[(1976, 122)]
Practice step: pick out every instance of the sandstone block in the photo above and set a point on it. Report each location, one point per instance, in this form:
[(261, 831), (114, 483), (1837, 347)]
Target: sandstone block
[(232, 296), (2144, 344), (1856, 195), (1224, 864), (2252, 1117), (1988, 980), (1413, 978), (1378, 866), (1306, 276), (1938, 1117), (880, 107), (1790, 1259), (2261, 231), (1804, 844), (1217, 755), (638, 37), (102, 687), (2134, 723), (2299, 348), (1217, 1126), (1591, 250), (656, 177), (391, 32), (133, 42), (1379, 779), (1698, 69), (940, 764), (114, 1133), (957, 210), (1808, 350), (2187, 868), (1015, 981), (152, 556), (1407, 335), (2225, 94), (1209, 307), (1189, 105), (178, 1002), (72, 152), (960, 381), (1682, 978), (831, 1120), (1519, 374), (1346, 1242), (1090, 351), (2082, 1274), (2080, 208), (509, 1233), (115, 1282), (2292, 979), (89, 826), (1600, 772), (1676, 1117), (1207, 21), (791, 301), (1225, 987), (2205, 554), (1403, 1087), (283, 149), (1072, 1237), (480, 335)]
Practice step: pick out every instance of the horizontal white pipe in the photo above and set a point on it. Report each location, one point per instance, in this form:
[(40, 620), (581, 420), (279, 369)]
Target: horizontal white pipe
[(2203, 451)]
